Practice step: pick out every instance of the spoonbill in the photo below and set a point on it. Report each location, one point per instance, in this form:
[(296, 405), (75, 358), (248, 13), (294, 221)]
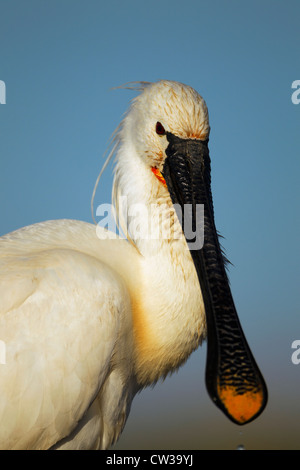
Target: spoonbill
[(89, 318)]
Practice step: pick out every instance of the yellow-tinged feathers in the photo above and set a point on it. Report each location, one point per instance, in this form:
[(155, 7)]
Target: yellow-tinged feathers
[(87, 318)]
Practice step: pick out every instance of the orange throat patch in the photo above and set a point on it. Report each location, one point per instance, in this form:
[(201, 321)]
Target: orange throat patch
[(158, 175)]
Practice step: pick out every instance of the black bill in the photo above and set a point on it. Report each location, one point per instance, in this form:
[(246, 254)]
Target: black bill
[(233, 379)]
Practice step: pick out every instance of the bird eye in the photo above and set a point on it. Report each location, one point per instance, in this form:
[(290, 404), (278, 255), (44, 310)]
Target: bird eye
[(160, 130)]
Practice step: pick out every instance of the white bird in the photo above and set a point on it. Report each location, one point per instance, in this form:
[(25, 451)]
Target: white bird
[(88, 318)]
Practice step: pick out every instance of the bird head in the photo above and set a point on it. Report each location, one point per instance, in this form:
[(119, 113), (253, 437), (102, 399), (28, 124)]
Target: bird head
[(163, 108)]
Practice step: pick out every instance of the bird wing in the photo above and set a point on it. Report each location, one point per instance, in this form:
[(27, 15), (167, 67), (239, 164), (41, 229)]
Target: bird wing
[(61, 313)]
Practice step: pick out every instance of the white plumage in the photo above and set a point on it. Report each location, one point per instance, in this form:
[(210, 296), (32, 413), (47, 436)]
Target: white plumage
[(88, 319), (88, 322)]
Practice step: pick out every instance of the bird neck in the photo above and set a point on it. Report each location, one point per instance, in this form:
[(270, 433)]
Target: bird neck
[(168, 312), (168, 316)]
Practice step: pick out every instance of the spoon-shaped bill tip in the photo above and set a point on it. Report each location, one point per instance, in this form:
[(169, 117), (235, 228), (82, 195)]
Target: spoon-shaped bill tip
[(241, 407)]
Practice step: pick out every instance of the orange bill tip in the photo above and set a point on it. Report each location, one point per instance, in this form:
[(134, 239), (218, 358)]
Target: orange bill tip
[(242, 408), (158, 175)]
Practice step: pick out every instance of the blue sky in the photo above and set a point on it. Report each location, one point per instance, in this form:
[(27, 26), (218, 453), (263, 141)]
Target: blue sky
[(59, 61)]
